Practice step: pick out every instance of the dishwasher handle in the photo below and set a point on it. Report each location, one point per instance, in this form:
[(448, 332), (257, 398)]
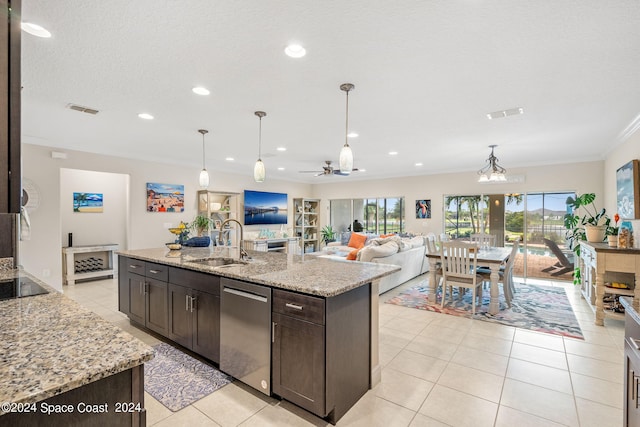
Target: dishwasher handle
[(245, 294)]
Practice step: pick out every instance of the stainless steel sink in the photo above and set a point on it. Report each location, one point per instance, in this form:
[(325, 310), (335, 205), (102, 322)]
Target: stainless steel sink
[(218, 262)]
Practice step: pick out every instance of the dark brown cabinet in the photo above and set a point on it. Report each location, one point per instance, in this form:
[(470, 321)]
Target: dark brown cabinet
[(317, 362), (143, 293), (631, 365), (194, 312)]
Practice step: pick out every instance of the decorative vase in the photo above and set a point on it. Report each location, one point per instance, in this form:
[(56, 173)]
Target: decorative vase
[(613, 241), (595, 233)]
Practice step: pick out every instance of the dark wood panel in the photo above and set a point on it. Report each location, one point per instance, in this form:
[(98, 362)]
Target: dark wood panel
[(180, 328), (348, 349), (304, 307), (123, 285), (135, 266), (15, 82), (8, 235), (298, 356), (157, 309), (125, 386), (206, 326), (195, 280), (135, 288)]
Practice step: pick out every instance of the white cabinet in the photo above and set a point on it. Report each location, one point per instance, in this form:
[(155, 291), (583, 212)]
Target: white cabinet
[(306, 218), (87, 262)]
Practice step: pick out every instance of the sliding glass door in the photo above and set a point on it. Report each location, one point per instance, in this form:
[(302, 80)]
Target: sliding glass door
[(374, 215)]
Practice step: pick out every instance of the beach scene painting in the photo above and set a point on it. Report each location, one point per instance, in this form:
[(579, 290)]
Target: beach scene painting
[(165, 197), (87, 202)]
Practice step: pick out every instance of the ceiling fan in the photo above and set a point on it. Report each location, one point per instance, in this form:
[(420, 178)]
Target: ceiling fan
[(327, 169)]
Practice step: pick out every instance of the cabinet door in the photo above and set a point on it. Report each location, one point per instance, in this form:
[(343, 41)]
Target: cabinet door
[(298, 362), (206, 326), (136, 292), (632, 386), (180, 324), (157, 313)]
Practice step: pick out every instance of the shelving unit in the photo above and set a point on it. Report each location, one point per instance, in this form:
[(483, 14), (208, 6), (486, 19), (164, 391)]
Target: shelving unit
[(219, 206), (285, 244), (306, 220), (87, 262)]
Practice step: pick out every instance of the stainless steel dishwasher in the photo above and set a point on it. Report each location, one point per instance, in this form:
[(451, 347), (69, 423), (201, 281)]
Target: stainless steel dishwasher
[(245, 333)]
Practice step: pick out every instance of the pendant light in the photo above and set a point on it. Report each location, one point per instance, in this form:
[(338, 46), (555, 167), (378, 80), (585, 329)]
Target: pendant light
[(204, 175), (346, 155), (259, 172), (492, 171)]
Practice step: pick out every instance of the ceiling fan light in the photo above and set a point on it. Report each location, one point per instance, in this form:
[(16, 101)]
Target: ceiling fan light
[(346, 159), (259, 171), (204, 178)]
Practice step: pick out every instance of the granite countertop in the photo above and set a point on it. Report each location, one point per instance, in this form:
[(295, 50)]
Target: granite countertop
[(50, 344), (604, 247), (305, 274), (632, 307)]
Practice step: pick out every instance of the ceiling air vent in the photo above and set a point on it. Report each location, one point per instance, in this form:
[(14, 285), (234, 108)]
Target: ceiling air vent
[(82, 109)]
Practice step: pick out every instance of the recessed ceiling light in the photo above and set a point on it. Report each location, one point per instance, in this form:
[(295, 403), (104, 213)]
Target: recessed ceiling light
[(280, 168), (35, 30), (393, 153), (418, 164), (199, 90), (295, 51), (352, 135), (145, 116), (281, 148), (229, 159)]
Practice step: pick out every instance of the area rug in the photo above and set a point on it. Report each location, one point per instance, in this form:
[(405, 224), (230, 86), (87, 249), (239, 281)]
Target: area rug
[(177, 379), (535, 307)]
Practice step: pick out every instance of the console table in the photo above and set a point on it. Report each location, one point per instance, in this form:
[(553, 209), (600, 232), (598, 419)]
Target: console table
[(285, 244), (87, 262), (600, 263)]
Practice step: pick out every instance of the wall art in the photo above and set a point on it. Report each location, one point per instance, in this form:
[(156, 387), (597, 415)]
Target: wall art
[(87, 202), (165, 197), (423, 208), (628, 194)]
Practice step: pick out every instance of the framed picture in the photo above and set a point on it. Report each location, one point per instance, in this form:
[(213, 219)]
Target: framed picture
[(87, 202), (217, 223), (423, 208), (165, 197), (628, 194)]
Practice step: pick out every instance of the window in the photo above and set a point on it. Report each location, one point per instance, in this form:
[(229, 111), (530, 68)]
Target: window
[(374, 215)]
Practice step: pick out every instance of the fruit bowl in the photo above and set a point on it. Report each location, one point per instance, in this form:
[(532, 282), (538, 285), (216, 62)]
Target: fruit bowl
[(174, 246), (176, 230)]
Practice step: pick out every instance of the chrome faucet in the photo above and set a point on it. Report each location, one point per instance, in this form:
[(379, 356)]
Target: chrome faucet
[(243, 254)]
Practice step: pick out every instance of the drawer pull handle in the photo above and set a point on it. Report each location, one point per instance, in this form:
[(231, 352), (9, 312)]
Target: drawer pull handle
[(155, 271), (273, 332), (635, 343), (294, 306), (133, 266)]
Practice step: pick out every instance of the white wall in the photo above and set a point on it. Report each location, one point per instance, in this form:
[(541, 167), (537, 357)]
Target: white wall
[(108, 226), (578, 177), (41, 255)]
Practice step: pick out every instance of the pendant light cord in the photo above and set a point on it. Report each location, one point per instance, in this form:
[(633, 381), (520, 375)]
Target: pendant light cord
[(260, 139), (203, 167), (346, 126)]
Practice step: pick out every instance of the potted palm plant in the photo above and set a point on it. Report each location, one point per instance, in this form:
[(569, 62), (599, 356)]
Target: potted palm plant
[(201, 225), (328, 234), (591, 225)]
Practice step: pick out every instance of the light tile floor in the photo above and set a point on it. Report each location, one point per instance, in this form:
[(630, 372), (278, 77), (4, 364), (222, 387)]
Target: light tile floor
[(438, 370)]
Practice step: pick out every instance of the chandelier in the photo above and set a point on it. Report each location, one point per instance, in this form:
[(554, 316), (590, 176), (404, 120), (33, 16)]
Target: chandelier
[(492, 171)]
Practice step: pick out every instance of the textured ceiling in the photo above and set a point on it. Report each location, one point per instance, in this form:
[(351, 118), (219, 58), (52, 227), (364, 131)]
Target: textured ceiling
[(426, 73)]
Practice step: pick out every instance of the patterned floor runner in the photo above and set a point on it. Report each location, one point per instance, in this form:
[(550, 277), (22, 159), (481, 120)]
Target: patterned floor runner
[(535, 307), (177, 379)]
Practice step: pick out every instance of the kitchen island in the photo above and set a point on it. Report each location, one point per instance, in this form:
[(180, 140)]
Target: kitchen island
[(64, 365), (316, 344)]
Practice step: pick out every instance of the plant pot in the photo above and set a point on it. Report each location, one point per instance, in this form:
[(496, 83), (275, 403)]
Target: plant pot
[(595, 233), (612, 241)]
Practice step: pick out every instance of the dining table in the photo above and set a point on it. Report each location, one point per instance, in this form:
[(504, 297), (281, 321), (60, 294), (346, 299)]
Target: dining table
[(492, 257)]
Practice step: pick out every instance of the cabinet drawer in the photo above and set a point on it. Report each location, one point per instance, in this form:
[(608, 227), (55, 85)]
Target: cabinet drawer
[(193, 279), (157, 271), (299, 306), (135, 266)]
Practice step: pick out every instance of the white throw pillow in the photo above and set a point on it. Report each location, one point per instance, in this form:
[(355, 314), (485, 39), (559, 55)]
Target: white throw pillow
[(415, 242)]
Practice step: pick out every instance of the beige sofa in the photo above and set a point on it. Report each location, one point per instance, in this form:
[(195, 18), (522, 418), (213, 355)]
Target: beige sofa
[(408, 254)]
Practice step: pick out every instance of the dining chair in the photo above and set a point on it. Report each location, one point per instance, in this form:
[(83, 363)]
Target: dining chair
[(506, 274), (459, 262), (483, 240), (432, 248)]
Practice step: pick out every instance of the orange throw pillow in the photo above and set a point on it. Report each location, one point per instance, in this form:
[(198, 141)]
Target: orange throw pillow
[(387, 235), (352, 255), (357, 240)]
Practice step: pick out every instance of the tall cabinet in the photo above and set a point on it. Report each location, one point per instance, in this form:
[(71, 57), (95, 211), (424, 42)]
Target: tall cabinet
[(219, 206), (307, 223)]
